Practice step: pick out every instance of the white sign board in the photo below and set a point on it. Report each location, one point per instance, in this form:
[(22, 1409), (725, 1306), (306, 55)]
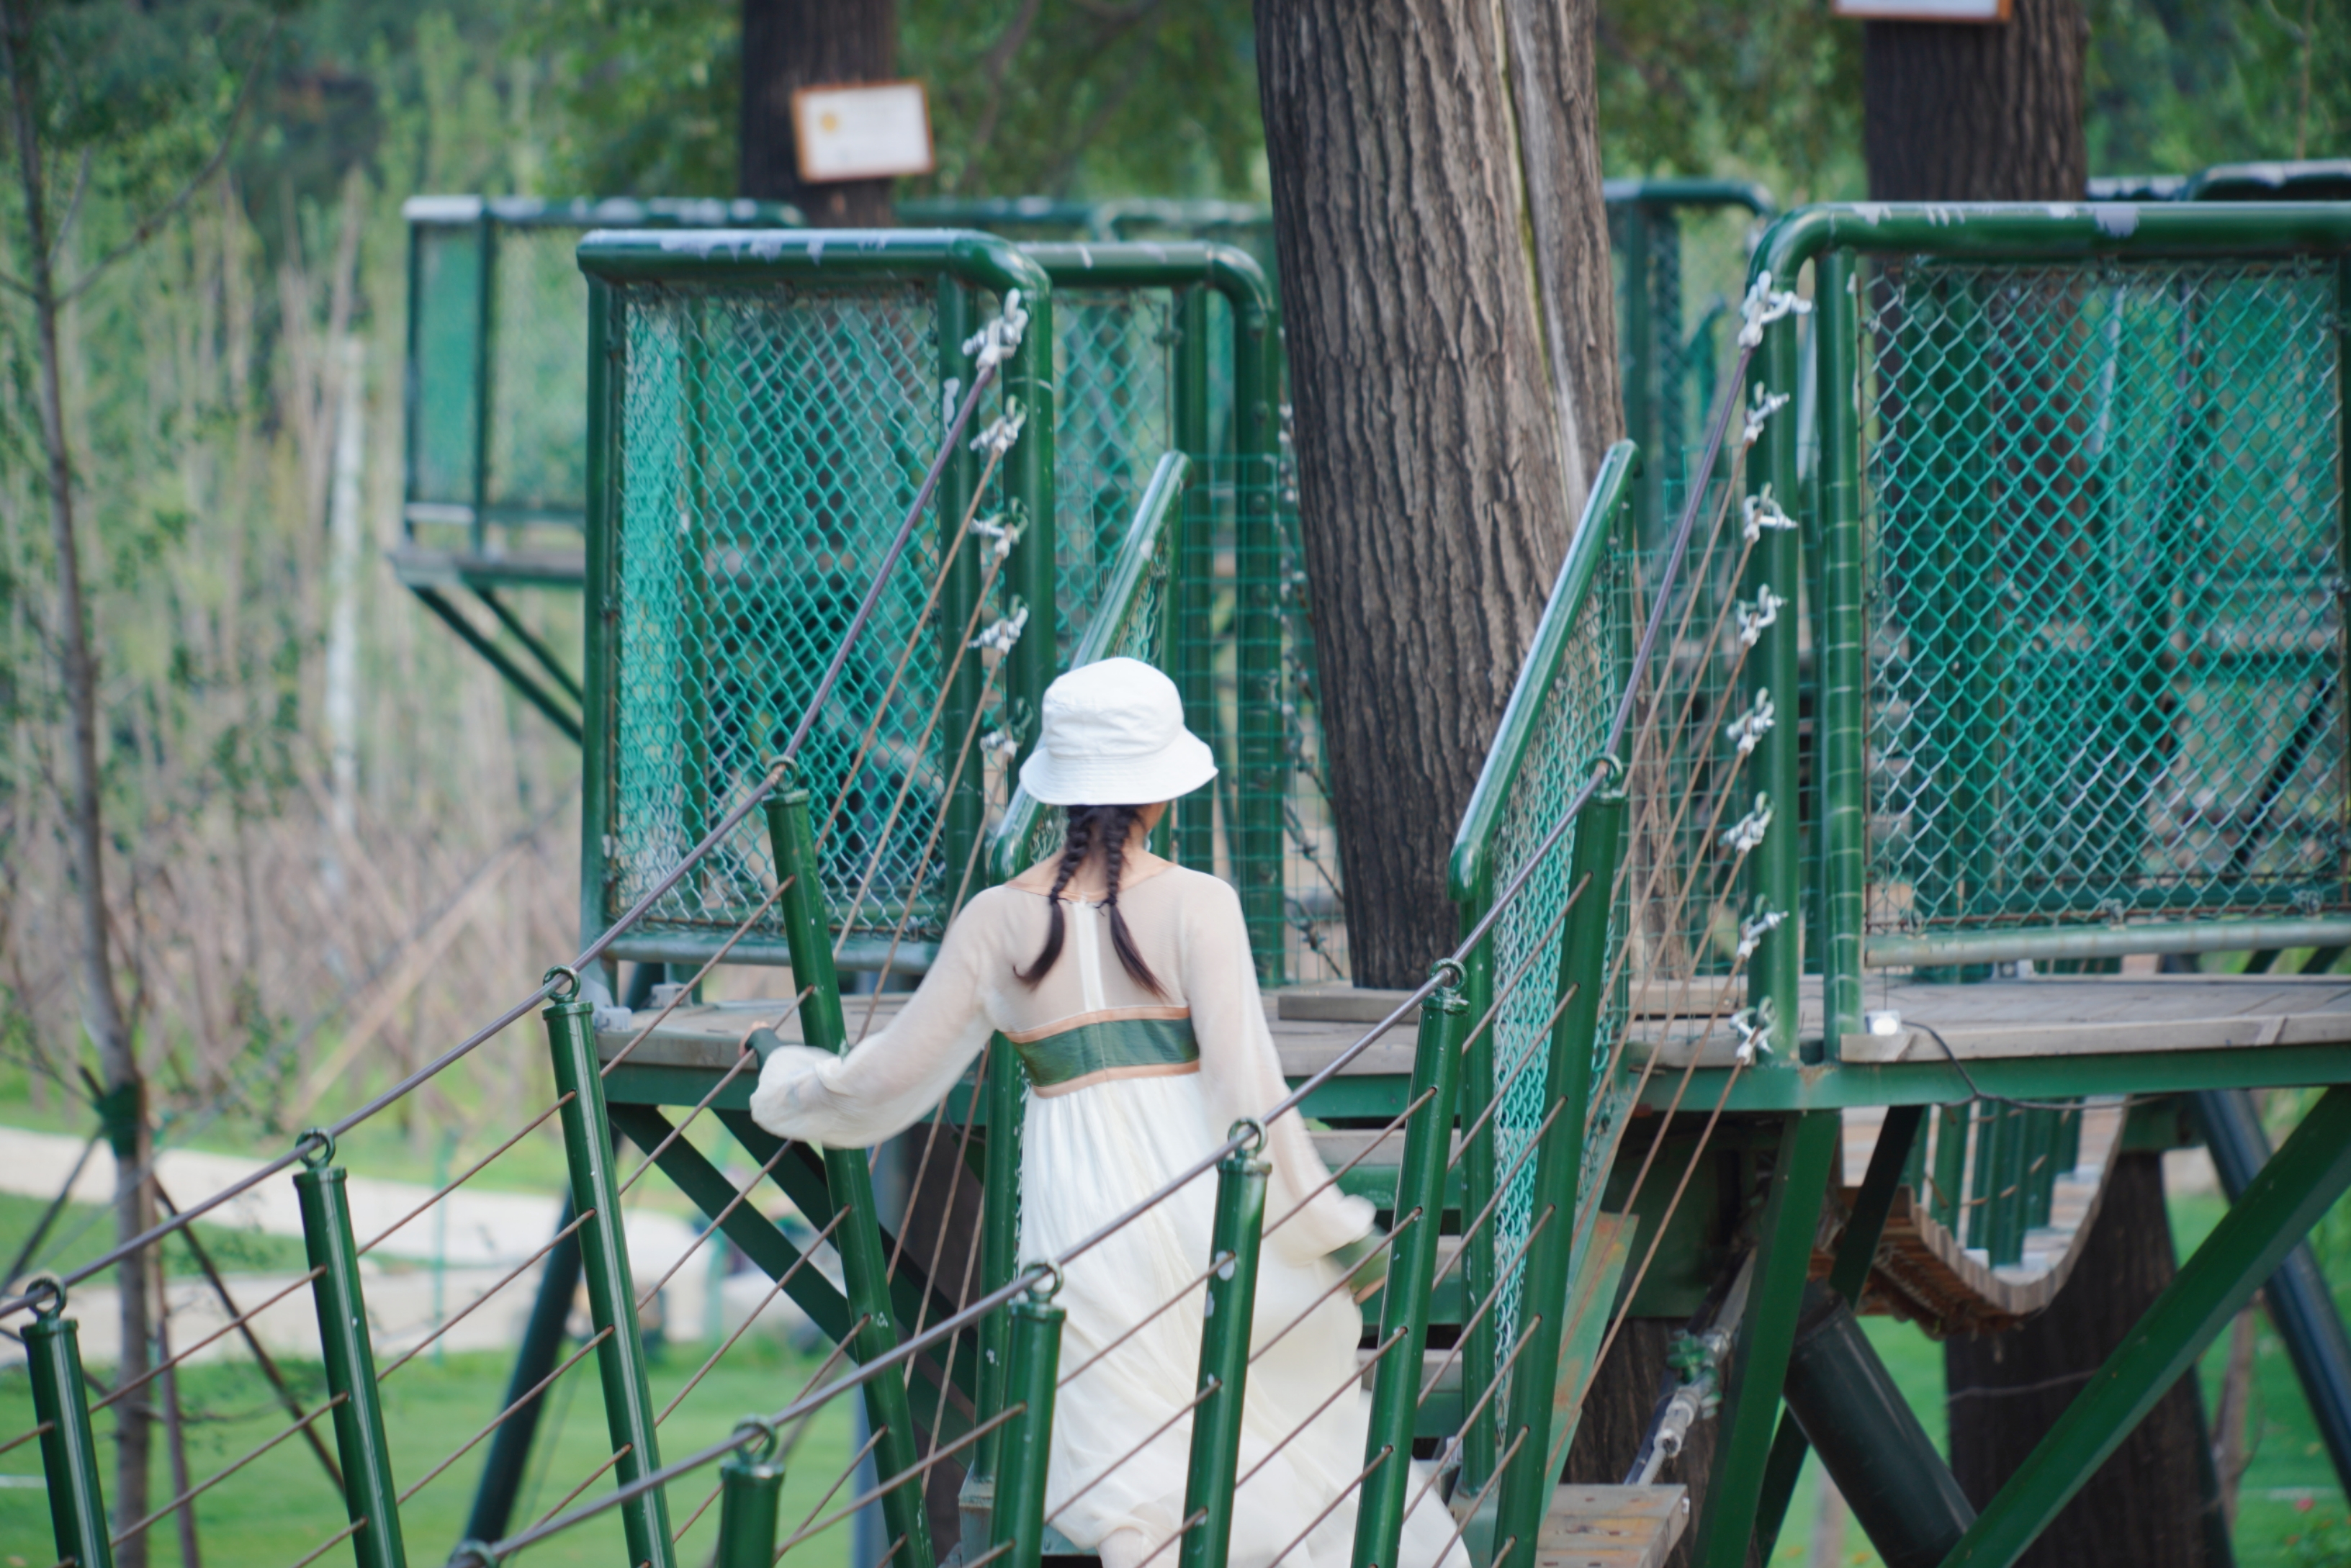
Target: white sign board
[(1921, 10), (863, 130)]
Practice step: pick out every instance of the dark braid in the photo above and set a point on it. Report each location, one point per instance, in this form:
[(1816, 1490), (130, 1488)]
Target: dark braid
[(1122, 941), (1089, 825)]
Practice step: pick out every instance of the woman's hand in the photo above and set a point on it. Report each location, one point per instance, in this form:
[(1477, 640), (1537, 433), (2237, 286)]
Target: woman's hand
[(1364, 1261)]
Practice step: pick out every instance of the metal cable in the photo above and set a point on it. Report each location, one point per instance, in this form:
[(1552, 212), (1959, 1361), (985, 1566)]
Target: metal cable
[(516, 1272), (223, 1474)]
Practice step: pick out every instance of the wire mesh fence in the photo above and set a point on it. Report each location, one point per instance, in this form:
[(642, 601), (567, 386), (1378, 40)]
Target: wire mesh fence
[(2105, 510)]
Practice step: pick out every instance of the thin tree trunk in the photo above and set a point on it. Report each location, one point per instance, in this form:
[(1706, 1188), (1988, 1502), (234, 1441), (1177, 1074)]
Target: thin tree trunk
[(792, 43), (1962, 112), (2145, 1507), (1452, 347), (124, 1108)]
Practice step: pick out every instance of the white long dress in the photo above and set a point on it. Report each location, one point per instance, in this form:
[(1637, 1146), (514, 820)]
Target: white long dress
[(1127, 1090)]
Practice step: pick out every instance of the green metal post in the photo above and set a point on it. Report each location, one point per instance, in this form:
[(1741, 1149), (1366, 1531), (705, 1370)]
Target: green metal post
[(370, 1494), (1807, 1151), (1019, 1513), (485, 373), (1528, 1483), (1844, 811), (999, 1238), (1257, 858), (2300, 1183), (600, 617), (750, 1492), (1480, 1171), (1027, 485), (1412, 1272), (611, 1285), (966, 808), (1195, 555), (68, 1450), (858, 1240), (1950, 1166), (1224, 1359)]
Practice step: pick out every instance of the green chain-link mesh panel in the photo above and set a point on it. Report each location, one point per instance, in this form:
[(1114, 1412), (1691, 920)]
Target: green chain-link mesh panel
[(2104, 516), (539, 374), (772, 439), (1566, 740), (1113, 417), (444, 413)]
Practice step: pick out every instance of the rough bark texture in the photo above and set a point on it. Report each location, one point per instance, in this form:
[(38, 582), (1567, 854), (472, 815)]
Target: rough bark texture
[(1977, 113), (1432, 259), (124, 1110), (792, 43), (2146, 1506), (1615, 1422)]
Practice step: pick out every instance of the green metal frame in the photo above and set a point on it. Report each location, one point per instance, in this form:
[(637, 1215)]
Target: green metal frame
[(370, 1493), (69, 1448), (948, 261)]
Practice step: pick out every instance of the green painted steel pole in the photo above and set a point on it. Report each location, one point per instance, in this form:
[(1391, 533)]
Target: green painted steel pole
[(1844, 810), (967, 808), (611, 1284), (858, 1240), (370, 1494), (999, 1237), (1528, 1483), (1196, 825), (2300, 1183), (1412, 1273), (1230, 1311), (751, 1494), (1479, 1172), (1807, 1151), (68, 1448), (1028, 484), (599, 617), (1258, 860), (1019, 1504)]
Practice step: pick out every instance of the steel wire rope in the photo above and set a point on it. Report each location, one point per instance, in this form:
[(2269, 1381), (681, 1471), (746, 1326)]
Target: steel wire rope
[(783, 1146), (1345, 1282), (1378, 1136), (742, 929), (494, 1421), (12, 1443), (1477, 1315), (1354, 1380), (1216, 1261), (1208, 1389), (120, 1390), (1451, 1452), (202, 1487), (1329, 1507), (463, 1313), (1461, 1524), (775, 1289), (636, 911), (848, 1473), (743, 1058), (476, 1169), (337, 1538), (920, 1467)]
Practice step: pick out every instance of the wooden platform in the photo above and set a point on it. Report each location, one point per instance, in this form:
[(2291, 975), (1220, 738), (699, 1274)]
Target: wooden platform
[(2043, 1017), (1611, 1526)]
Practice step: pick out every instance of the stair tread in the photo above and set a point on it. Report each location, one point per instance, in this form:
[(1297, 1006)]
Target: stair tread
[(1611, 1526)]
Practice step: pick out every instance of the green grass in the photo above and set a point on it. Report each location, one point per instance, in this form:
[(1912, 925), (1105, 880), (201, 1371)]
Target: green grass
[(272, 1513)]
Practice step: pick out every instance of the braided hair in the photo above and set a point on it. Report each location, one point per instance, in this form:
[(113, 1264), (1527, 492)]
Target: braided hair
[(1089, 826)]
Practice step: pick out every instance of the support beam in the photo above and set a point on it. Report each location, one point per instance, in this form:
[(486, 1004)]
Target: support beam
[(2300, 1183)]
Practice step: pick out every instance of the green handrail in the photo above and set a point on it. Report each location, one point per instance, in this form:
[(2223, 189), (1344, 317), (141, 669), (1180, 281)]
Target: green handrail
[(1141, 557)]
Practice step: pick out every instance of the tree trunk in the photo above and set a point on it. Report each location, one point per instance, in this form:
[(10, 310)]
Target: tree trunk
[(124, 1108), (1615, 1423), (2146, 1507), (1954, 112), (1452, 346), (793, 44)]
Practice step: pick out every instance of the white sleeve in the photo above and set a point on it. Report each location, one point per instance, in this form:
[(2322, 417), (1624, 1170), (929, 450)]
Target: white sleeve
[(1240, 1075), (897, 1073)]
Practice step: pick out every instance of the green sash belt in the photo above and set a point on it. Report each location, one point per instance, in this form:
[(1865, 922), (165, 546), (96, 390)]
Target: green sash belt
[(1092, 1048)]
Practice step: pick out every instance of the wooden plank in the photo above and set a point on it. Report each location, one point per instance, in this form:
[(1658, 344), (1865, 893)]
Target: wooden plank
[(1613, 1527)]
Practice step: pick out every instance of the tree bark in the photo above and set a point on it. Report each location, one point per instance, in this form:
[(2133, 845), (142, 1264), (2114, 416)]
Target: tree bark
[(1451, 330), (1954, 112), (124, 1109), (2146, 1507), (792, 43), (1615, 1423)]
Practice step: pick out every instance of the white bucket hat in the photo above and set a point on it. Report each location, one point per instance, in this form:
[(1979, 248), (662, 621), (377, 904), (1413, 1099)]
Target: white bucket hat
[(1115, 736)]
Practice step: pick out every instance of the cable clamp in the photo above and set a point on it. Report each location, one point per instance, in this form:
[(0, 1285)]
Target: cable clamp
[(1754, 618), (1746, 833), (1762, 406), (998, 743), (1003, 534), (1003, 430), (1752, 930), (1762, 511), (1754, 1026), (1747, 730), (1003, 633), (993, 344), (1763, 305)]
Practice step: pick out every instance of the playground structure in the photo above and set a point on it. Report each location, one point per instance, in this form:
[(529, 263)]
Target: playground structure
[(2038, 659)]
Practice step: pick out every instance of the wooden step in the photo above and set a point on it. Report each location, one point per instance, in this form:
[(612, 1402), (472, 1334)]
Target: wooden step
[(1611, 1526)]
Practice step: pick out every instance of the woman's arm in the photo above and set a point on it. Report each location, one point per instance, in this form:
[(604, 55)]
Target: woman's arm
[(1240, 1075), (898, 1073)]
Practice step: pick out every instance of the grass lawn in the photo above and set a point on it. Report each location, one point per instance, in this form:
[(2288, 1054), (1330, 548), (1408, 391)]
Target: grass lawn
[(272, 1513)]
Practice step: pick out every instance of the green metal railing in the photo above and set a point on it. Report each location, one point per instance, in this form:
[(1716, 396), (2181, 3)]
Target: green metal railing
[(763, 409), (2082, 526)]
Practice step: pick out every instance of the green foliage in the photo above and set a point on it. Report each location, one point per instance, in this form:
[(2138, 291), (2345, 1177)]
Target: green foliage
[(2175, 86)]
